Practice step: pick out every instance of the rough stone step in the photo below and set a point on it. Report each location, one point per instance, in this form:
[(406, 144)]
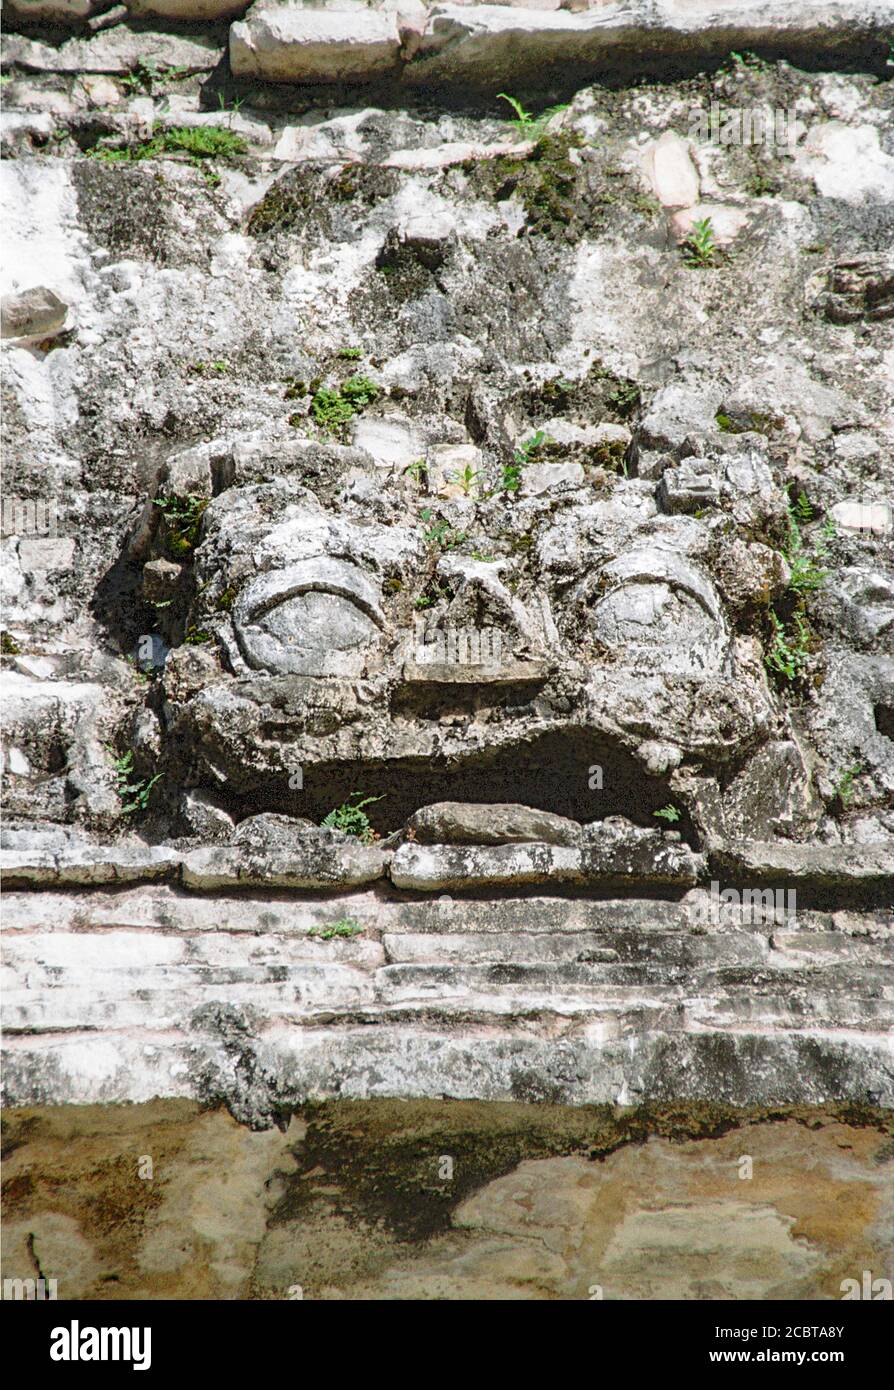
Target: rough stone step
[(850, 981), (836, 1012), (285, 1064), (171, 997), (486, 46)]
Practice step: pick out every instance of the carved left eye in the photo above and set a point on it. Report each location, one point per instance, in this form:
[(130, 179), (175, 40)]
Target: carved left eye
[(316, 618)]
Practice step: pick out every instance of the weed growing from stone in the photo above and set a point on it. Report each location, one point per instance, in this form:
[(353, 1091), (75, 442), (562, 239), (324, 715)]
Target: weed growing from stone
[(526, 123), (700, 249), (198, 142), (344, 927), (789, 645), (134, 792), (466, 479), (668, 813), (351, 819), (418, 471), (332, 408), (844, 787), (183, 517), (806, 567), (524, 454), (441, 533)]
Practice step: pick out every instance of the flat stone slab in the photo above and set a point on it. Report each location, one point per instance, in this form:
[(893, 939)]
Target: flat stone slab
[(823, 866), (85, 865), (488, 46), (483, 44), (289, 44), (311, 863), (115, 51), (430, 868), (465, 823)]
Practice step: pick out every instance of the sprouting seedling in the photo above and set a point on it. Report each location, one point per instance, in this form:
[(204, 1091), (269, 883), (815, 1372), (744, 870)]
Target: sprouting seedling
[(668, 813), (524, 454), (440, 532), (418, 471), (524, 119), (700, 247), (466, 479)]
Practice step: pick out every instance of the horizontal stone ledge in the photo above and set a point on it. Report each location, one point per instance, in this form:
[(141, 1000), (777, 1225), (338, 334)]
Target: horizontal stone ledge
[(475, 673), (87, 866), (310, 864), (116, 52), (488, 46), (757, 864), (740, 1068), (645, 861), (95, 14)]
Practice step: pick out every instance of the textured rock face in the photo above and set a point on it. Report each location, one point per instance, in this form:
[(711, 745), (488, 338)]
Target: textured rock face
[(448, 590), (354, 1201)]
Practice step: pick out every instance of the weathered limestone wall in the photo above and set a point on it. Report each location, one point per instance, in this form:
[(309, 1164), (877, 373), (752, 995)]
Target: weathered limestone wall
[(526, 480)]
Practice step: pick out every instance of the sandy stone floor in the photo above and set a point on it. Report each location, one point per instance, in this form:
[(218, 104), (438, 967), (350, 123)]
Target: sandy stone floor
[(455, 1201)]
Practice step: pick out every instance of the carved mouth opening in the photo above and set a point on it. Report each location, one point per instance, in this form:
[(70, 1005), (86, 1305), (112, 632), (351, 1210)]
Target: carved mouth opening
[(570, 773)]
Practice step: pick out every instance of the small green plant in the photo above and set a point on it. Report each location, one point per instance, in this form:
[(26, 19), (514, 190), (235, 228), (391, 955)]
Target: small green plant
[(700, 248), (526, 122), (8, 644), (183, 517), (624, 398), (233, 104), (195, 636), (789, 645), (350, 354), (747, 60), (351, 818), (333, 408), (441, 533), (198, 142), (344, 927), (206, 368), (807, 572), (134, 792), (418, 471), (761, 186), (524, 454), (466, 479), (844, 787), (668, 813)]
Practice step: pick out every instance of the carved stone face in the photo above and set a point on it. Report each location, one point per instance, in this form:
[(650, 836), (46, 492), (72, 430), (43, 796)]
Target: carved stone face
[(348, 639)]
